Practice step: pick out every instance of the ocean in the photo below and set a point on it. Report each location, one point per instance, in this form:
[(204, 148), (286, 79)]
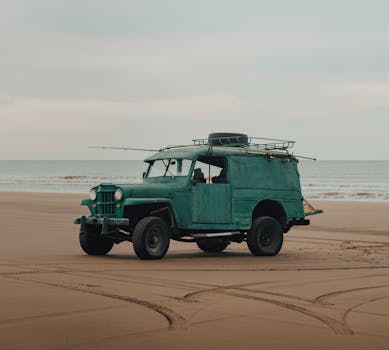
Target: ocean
[(335, 180)]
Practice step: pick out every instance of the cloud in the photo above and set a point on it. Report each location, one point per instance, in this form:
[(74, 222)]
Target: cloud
[(149, 73), (62, 127)]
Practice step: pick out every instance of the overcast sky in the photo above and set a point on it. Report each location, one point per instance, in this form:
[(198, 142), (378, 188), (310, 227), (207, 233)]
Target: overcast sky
[(149, 73)]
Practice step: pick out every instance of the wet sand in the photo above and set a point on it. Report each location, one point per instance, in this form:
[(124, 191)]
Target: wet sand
[(327, 289)]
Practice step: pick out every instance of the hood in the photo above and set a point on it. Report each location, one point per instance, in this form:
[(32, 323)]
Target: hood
[(154, 188)]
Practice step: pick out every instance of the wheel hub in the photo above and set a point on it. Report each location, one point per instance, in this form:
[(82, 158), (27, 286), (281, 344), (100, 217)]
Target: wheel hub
[(155, 239), (266, 238)]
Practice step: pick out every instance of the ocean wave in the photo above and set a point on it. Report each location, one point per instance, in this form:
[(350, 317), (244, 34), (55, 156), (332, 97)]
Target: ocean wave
[(72, 177), (355, 196)]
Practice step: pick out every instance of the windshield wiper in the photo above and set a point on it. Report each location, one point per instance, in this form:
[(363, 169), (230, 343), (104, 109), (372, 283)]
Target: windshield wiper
[(167, 168)]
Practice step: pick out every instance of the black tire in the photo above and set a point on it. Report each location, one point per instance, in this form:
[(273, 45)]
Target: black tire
[(212, 245), (151, 238), (265, 237), (93, 244), (225, 138)]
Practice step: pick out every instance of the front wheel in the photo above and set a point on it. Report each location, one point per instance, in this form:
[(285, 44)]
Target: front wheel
[(265, 237), (94, 244), (151, 238), (212, 245)]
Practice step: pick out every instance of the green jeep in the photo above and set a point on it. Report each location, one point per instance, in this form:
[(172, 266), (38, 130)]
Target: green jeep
[(227, 188)]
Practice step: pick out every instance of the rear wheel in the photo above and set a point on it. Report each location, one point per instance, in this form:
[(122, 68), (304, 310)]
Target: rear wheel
[(212, 245), (265, 237), (93, 244), (151, 238)]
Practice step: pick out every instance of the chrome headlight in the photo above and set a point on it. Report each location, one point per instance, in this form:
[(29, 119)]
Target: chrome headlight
[(118, 194), (92, 195)]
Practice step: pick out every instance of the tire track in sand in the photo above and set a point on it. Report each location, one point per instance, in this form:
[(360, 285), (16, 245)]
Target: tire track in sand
[(175, 320), (153, 281), (12, 321), (321, 299), (337, 326), (347, 312), (365, 299)]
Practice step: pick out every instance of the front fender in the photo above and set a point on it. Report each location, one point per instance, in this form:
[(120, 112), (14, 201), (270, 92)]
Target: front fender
[(89, 204), (129, 202)]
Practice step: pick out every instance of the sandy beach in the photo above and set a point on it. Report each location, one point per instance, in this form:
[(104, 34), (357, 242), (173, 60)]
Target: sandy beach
[(327, 289)]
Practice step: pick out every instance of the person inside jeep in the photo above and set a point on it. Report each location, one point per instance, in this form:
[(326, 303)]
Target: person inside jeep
[(198, 176), (221, 179)]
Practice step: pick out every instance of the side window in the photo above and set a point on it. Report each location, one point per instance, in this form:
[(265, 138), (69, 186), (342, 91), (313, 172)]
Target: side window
[(210, 171)]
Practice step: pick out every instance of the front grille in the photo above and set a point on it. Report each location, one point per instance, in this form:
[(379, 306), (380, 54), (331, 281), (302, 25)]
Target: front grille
[(105, 204)]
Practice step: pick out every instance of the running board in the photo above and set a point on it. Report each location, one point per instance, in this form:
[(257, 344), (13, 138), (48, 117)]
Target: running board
[(218, 234)]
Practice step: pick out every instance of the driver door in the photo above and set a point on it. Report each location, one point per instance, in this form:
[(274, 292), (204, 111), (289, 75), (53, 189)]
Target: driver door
[(211, 203)]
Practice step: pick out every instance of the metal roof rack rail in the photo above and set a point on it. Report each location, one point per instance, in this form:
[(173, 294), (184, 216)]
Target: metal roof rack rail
[(253, 143)]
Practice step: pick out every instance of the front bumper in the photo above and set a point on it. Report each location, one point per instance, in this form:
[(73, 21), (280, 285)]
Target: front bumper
[(107, 224)]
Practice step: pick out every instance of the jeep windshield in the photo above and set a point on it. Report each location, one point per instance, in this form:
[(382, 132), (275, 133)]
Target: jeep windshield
[(169, 168)]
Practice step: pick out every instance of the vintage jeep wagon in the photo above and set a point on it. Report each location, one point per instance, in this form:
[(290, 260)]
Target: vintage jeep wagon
[(227, 188)]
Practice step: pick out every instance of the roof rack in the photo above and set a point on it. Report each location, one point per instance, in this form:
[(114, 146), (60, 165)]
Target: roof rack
[(253, 143)]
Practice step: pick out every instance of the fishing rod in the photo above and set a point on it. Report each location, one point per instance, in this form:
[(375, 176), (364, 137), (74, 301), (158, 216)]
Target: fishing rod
[(126, 148), (142, 149), (248, 150)]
